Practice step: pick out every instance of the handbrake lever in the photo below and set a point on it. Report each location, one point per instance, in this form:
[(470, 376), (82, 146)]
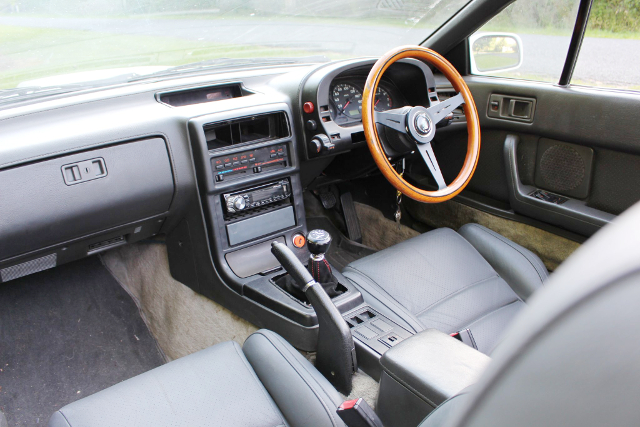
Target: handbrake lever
[(336, 353)]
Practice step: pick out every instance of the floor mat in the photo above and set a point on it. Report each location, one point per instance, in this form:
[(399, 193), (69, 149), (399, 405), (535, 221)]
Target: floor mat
[(66, 333), (342, 250)]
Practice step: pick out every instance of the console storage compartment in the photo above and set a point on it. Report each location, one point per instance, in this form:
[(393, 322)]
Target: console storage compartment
[(421, 372)]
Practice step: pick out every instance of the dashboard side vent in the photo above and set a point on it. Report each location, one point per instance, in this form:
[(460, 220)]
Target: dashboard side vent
[(24, 269), (259, 128)]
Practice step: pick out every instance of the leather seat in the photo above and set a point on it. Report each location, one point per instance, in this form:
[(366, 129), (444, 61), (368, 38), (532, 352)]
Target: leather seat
[(570, 359), (475, 279), (264, 383)]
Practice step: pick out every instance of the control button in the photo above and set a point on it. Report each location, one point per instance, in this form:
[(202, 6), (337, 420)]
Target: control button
[(299, 240), (272, 155), (227, 165), (281, 154), (219, 178), (239, 203), (366, 332), (308, 107), (253, 159), (315, 146), (383, 326), (311, 125), (257, 169), (236, 163), (322, 141), (219, 166), (243, 162)]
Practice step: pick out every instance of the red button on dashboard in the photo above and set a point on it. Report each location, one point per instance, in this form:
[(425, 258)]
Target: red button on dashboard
[(308, 107)]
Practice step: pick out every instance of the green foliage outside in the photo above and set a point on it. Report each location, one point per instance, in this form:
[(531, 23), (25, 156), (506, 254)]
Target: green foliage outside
[(615, 16), (609, 18)]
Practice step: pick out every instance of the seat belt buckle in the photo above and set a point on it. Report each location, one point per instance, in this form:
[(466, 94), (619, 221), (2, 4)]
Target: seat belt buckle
[(466, 337), (358, 413)]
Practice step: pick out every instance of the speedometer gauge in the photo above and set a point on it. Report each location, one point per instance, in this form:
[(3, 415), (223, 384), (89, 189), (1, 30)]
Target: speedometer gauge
[(348, 101), (382, 100)]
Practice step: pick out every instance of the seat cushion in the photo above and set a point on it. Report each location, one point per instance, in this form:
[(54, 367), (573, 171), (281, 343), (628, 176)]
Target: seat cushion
[(213, 387), (438, 280)]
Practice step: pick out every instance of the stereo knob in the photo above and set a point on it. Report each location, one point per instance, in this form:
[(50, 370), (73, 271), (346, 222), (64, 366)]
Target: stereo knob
[(238, 202)]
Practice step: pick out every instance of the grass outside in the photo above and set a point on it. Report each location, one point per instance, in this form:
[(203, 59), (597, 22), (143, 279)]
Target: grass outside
[(28, 53)]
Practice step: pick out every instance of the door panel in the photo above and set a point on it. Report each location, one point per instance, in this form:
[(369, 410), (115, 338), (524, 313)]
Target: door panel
[(582, 144)]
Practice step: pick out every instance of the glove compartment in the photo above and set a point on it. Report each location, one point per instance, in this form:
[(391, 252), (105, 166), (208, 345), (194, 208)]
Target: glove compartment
[(61, 199)]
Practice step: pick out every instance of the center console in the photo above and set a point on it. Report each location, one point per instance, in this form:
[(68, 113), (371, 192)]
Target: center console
[(248, 174), (422, 372)]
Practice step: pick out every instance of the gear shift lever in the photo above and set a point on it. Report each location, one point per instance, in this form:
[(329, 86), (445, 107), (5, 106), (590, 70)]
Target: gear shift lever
[(336, 358), (318, 242)]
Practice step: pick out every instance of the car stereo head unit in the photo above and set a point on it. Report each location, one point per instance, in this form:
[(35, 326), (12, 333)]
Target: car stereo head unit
[(257, 196)]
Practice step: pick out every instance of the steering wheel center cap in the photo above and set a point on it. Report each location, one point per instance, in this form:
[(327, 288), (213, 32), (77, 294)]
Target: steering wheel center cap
[(422, 123)]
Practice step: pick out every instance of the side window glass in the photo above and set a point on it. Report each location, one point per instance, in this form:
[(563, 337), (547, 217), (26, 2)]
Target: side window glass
[(610, 52), (527, 40)]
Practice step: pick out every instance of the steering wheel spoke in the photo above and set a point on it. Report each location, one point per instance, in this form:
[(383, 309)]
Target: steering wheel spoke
[(426, 150), (395, 119), (442, 109)]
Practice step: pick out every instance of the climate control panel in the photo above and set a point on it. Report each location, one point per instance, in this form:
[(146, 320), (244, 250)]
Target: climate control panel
[(249, 162)]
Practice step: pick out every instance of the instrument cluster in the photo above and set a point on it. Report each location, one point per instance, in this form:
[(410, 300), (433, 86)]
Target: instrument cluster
[(345, 99)]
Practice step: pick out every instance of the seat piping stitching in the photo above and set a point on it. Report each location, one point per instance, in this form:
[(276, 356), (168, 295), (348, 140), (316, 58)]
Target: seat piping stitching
[(257, 380), (508, 243), (381, 289), (454, 293), (290, 362)]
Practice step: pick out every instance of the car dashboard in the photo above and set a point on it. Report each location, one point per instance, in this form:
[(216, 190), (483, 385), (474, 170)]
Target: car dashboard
[(216, 163)]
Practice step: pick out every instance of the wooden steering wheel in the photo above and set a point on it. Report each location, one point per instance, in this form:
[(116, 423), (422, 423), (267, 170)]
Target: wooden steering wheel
[(419, 124)]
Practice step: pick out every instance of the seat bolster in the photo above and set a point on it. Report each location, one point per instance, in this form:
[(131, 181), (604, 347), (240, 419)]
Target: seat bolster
[(519, 267), (442, 414), (378, 298), (302, 394), (57, 420)]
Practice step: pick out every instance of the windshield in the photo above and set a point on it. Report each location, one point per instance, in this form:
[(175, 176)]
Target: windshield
[(57, 43)]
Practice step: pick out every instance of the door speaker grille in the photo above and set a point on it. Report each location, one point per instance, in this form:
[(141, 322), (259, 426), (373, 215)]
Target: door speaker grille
[(562, 168), (35, 265)]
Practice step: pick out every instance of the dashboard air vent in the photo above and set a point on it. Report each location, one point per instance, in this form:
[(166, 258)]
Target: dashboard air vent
[(259, 128), (202, 95)]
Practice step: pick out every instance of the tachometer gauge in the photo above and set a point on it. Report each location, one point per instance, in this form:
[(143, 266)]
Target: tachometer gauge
[(347, 100), (382, 100)]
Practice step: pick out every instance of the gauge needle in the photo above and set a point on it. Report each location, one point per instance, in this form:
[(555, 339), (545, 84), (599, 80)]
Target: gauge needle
[(345, 106), (376, 104)]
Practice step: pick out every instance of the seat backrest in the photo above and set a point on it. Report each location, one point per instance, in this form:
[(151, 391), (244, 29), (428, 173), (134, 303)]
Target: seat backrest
[(573, 357)]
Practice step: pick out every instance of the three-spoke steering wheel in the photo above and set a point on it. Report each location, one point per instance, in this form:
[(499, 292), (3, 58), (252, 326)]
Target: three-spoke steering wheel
[(419, 124)]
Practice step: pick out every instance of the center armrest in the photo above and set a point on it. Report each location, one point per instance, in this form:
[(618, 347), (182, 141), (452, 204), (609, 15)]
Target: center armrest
[(421, 372)]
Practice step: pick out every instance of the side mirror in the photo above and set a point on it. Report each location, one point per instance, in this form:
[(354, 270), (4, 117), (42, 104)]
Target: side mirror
[(494, 52)]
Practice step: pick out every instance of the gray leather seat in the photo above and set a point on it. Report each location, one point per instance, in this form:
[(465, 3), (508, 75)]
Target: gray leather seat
[(264, 383), (571, 359), (475, 279)]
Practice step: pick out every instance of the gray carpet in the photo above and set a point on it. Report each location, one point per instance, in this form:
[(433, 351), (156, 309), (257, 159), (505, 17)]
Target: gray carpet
[(67, 333)]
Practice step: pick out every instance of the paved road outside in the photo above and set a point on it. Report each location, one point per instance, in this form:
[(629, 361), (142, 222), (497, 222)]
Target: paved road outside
[(604, 60)]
